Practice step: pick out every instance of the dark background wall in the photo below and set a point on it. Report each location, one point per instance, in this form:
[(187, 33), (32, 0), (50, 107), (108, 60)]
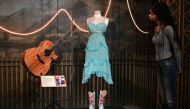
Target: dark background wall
[(29, 15)]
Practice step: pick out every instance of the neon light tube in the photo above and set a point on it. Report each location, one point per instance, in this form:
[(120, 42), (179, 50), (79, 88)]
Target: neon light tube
[(51, 20)]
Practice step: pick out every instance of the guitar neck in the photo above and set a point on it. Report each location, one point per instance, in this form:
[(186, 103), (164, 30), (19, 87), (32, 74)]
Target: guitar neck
[(60, 40)]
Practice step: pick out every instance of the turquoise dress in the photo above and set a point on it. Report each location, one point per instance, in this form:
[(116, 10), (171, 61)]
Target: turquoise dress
[(96, 54)]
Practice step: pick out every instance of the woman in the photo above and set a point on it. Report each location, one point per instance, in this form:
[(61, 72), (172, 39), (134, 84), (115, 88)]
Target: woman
[(167, 45)]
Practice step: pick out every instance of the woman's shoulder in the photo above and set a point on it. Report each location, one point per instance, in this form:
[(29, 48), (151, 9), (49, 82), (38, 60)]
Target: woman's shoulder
[(168, 28)]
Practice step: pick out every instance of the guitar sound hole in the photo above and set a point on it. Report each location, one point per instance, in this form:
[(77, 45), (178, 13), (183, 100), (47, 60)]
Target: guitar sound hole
[(39, 59)]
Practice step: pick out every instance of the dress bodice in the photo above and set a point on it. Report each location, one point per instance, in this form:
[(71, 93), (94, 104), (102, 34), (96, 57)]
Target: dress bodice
[(96, 28), (96, 39)]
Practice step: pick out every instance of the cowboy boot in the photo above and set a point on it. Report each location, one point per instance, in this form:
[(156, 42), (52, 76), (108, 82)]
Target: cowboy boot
[(101, 99), (91, 96)]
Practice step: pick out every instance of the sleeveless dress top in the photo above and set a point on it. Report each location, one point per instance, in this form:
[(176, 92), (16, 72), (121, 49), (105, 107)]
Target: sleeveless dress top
[(96, 54)]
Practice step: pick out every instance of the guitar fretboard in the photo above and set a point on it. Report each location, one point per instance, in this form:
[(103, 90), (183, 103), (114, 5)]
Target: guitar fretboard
[(59, 41)]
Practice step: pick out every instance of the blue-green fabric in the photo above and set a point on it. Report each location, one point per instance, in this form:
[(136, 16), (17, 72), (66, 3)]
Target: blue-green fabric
[(96, 54)]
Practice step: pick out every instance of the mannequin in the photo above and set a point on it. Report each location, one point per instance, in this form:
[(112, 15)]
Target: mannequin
[(97, 56), (97, 18)]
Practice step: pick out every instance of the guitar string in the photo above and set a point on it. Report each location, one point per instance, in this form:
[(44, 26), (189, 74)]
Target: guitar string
[(60, 40)]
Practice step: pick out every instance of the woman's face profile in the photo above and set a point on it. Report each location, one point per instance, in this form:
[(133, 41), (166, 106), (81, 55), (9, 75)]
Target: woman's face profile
[(152, 16)]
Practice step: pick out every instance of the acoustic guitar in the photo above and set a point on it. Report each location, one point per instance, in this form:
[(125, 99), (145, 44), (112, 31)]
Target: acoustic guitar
[(38, 60)]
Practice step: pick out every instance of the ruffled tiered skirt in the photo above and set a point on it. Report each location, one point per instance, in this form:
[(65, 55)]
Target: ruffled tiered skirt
[(97, 59)]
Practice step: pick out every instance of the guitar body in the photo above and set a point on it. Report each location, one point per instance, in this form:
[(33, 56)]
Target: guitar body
[(38, 59), (35, 61)]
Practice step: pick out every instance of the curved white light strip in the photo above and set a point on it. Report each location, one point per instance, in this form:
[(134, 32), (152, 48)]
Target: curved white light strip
[(44, 26), (134, 20), (83, 30), (108, 8), (51, 20)]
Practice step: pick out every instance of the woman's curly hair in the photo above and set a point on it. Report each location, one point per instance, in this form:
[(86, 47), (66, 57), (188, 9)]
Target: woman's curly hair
[(164, 15)]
